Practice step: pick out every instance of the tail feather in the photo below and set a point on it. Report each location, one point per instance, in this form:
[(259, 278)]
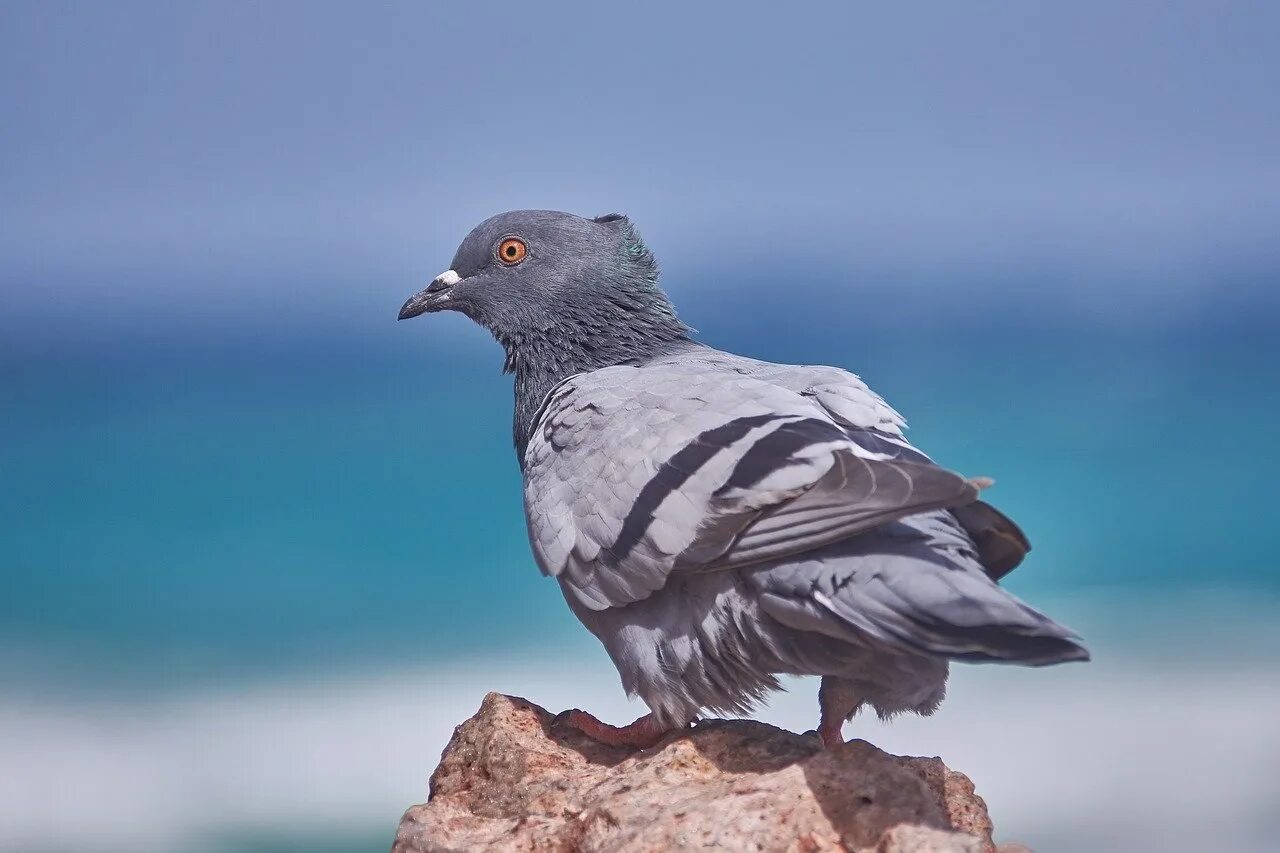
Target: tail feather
[(939, 618), (1001, 544), (909, 587)]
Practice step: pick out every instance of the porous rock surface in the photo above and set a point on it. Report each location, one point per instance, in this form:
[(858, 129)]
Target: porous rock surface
[(513, 778)]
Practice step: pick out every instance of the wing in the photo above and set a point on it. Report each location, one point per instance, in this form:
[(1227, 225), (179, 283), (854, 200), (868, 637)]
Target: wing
[(870, 421), (635, 472)]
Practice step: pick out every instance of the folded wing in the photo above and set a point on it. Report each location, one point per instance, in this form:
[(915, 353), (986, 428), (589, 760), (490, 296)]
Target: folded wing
[(637, 472)]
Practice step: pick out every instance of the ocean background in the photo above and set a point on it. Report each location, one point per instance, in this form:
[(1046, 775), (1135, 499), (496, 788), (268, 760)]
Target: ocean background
[(262, 547)]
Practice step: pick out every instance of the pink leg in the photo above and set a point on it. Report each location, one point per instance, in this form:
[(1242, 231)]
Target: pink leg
[(831, 730), (838, 701), (642, 734)]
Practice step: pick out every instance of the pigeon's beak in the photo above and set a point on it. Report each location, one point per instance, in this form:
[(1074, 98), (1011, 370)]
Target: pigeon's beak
[(432, 298)]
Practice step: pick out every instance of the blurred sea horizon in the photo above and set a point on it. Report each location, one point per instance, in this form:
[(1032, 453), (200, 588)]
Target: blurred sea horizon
[(334, 474)]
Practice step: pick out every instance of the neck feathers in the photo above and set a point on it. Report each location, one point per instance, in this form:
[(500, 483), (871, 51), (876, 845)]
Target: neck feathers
[(614, 314), (609, 335)]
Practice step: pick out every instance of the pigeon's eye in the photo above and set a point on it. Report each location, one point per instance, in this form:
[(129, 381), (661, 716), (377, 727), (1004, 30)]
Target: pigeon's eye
[(512, 250)]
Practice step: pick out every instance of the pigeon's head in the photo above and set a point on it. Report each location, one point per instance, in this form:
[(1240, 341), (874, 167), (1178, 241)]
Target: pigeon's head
[(545, 282)]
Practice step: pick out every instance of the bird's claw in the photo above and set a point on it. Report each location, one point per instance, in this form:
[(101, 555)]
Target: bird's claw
[(642, 734)]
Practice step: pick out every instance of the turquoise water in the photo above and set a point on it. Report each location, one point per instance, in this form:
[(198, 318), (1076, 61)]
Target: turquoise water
[(183, 512), (249, 588)]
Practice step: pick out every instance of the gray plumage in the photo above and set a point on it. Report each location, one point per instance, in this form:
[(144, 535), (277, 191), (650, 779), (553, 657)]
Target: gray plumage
[(717, 521)]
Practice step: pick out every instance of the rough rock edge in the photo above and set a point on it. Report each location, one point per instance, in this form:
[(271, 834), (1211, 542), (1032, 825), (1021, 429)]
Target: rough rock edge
[(512, 778)]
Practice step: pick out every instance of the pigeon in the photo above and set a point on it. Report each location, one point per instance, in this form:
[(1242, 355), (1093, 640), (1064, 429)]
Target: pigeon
[(717, 521)]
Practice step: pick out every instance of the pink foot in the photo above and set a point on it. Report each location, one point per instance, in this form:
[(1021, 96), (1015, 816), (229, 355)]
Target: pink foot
[(642, 734)]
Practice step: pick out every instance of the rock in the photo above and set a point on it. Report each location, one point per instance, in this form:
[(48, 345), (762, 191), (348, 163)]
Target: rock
[(514, 779)]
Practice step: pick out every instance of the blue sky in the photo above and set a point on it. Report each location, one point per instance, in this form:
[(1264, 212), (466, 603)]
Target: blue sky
[(165, 164)]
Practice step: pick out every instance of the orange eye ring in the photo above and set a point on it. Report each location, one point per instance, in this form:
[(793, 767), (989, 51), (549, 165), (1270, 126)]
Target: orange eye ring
[(512, 251)]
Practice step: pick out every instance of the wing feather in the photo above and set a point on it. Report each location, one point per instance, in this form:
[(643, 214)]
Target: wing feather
[(668, 467)]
